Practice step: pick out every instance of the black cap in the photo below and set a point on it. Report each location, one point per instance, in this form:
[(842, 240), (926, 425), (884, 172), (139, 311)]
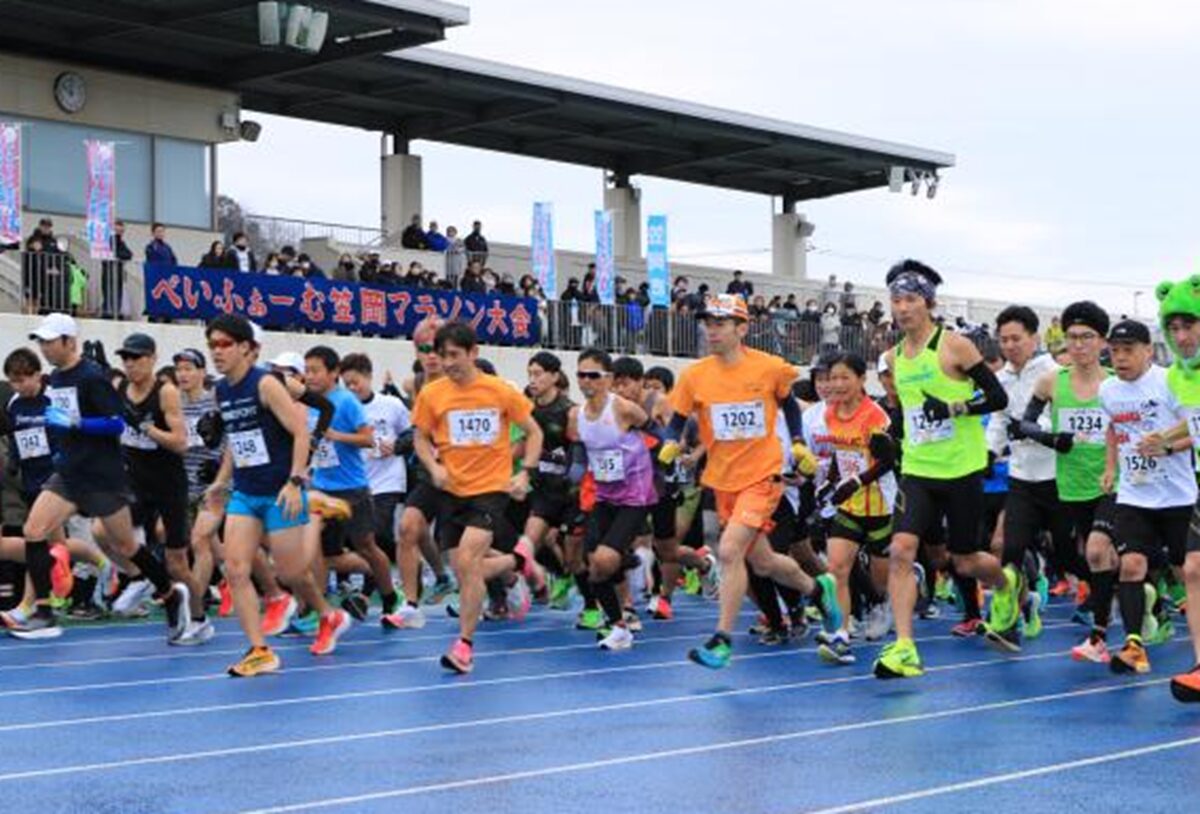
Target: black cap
[(1130, 331), (137, 345), (189, 355)]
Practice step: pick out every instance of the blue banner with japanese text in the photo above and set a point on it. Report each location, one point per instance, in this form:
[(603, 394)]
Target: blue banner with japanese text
[(273, 301)]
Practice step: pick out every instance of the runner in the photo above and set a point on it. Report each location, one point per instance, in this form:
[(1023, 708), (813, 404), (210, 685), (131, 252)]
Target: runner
[(937, 377), (736, 394), (265, 459), (461, 435), (84, 421), (1157, 489)]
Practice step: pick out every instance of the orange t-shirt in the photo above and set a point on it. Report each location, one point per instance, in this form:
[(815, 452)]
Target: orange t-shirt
[(736, 406), (469, 426), (850, 439)]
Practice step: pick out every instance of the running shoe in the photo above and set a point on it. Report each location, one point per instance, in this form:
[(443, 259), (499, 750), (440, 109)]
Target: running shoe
[(619, 638), (715, 653), (967, 628), (710, 584), (459, 658), (452, 605), (922, 588), (1005, 610), (838, 650), (132, 600), (691, 582), (760, 626), (1042, 589), (1006, 641), (879, 622), (304, 625), (226, 606), (798, 622), (1164, 632), (256, 662), (633, 621), (1083, 592), (442, 587), (531, 570), (944, 589), (330, 508), (496, 610), (1131, 658), (1032, 618), (1185, 687), (406, 617), (518, 599), (333, 625), (38, 625), (357, 605), (108, 582), (277, 614), (1083, 616), (774, 637), (176, 605), (899, 659), (660, 609), (1061, 588), (85, 611), (62, 579), (13, 618), (197, 633), (560, 592), (1149, 619), (831, 611), (931, 611), (1093, 649), (589, 619)]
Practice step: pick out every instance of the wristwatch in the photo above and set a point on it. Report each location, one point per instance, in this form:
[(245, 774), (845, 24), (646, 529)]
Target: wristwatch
[(296, 480)]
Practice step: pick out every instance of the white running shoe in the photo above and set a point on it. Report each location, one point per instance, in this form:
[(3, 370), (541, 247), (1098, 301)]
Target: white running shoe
[(406, 617), (177, 605), (132, 600), (619, 638), (197, 633), (879, 622), (711, 580)]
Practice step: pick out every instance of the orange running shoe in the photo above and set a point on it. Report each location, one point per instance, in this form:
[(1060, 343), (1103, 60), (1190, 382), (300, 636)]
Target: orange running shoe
[(257, 661), (62, 580), (1186, 686), (277, 614), (1082, 593), (226, 606), (331, 508), (1061, 588), (333, 625), (1131, 658)]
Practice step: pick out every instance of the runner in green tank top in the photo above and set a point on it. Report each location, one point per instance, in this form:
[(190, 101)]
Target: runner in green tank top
[(944, 387), (1080, 427)]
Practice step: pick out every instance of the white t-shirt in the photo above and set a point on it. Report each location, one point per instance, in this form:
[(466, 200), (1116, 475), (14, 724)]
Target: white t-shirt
[(1134, 410), (816, 438), (389, 417)]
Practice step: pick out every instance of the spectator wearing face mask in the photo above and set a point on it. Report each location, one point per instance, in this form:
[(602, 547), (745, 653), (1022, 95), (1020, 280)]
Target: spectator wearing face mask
[(239, 255)]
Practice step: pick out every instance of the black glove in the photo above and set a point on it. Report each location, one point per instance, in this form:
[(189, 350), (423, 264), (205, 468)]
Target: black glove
[(207, 473), (935, 409), (211, 429), (824, 492), (845, 490), (404, 444), (1015, 433), (990, 471), (1064, 442)]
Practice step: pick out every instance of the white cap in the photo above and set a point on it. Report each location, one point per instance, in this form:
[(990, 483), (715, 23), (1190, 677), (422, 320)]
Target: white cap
[(54, 326), (289, 359), (258, 336)]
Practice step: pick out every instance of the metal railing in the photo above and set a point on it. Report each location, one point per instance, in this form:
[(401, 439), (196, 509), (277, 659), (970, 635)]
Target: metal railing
[(77, 284), (267, 233)]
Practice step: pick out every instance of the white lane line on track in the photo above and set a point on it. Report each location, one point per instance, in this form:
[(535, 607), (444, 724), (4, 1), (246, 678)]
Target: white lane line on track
[(332, 740), (154, 682), (398, 691), (1009, 777), (721, 746)]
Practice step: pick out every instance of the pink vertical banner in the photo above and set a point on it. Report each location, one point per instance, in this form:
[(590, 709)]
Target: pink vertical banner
[(101, 197), (10, 183)]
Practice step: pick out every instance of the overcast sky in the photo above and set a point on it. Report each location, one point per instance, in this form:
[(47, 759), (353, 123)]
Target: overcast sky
[(1073, 123)]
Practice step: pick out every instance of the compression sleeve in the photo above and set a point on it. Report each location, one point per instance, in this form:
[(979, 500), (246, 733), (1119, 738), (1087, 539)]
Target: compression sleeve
[(990, 396), (1029, 427), (324, 408), (102, 425), (675, 427), (883, 453), (793, 416)]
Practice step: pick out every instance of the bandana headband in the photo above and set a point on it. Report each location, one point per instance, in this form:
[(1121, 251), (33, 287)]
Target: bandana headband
[(910, 282)]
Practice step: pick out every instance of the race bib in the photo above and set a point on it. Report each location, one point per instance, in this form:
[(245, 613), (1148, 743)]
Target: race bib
[(608, 465), (383, 434), (249, 448), (472, 428), (920, 430), (1139, 470), (738, 420), (1087, 424), (850, 463), (32, 443), (193, 436), (65, 398), (326, 456), (134, 438)]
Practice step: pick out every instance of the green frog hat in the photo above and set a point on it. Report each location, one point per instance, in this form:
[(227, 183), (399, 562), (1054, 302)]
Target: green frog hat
[(1179, 299)]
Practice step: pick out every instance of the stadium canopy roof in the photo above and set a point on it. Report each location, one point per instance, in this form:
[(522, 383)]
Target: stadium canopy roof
[(370, 75)]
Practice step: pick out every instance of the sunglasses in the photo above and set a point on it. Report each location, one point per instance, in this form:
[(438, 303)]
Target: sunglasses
[(424, 347), (590, 375), (220, 344)]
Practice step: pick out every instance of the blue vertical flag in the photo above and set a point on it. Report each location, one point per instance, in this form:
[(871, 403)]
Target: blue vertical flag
[(656, 260), (542, 248), (605, 272)]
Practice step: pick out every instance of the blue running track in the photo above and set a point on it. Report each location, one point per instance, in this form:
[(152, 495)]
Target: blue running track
[(111, 719)]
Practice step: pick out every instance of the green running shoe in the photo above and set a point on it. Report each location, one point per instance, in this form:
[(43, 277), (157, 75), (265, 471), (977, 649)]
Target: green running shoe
[(944, 591), (1006, 611), (1149, 620), (589, 619), (830, 610), (560, 592), (1033, 619), (715, 654), (899, 660), (691, 582)]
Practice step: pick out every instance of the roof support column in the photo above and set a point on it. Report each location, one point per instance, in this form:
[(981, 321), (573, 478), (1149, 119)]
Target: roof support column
[(625, 202), (790, 231), (400, 184)]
